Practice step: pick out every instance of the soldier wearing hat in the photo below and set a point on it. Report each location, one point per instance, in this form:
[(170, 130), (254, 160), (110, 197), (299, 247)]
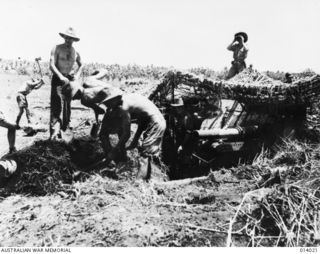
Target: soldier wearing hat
[(91, 92), (62, 60), (117, 120), (240, 52), (288, 78)]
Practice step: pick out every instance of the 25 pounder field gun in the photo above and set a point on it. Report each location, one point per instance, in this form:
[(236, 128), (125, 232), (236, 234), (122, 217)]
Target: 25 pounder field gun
[(213, 124)]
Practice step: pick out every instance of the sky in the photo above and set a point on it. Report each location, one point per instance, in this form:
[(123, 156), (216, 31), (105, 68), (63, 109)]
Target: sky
[(283, 34)]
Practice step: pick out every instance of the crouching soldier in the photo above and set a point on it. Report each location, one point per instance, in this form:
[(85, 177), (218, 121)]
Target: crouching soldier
[(117, 120), (24, 90), (91, 93)]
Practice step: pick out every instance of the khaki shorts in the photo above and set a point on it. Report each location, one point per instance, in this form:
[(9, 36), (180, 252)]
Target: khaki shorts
[(153, 135), (22, 100)]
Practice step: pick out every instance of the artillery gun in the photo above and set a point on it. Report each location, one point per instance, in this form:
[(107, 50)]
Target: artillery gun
[(218, 123)]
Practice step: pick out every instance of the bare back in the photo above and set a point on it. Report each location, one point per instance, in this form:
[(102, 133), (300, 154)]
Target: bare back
[(140, 107)]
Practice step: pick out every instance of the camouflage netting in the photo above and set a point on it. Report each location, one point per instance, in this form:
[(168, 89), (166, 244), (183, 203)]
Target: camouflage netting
[(185, 85), (254, 88), (249, 87), (140, 86)]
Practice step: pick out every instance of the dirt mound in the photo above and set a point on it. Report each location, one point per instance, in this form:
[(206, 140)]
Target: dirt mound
[(46, 166)]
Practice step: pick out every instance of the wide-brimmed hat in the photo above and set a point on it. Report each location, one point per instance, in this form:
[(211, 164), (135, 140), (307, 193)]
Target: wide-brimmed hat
[(242, 34), (71, 33), (178, 102)]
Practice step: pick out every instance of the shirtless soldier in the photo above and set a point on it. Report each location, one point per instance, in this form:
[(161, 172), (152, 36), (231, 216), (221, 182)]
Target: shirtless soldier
[(92, 92), (240, 51), (23, 91), (62, 59), (117, 120)]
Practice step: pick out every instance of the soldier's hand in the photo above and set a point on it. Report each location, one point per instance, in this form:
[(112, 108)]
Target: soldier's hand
[(65, 80)]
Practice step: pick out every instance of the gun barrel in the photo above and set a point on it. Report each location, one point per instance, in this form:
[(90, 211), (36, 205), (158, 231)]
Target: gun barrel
[(226, 133)]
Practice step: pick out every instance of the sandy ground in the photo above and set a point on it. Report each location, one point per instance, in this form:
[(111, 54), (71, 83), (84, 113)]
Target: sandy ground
[(113, 212), (106, 212), (39, 105)]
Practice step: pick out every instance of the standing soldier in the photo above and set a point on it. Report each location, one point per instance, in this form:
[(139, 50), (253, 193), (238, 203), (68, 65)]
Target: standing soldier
[(240, 52), (62, 60)]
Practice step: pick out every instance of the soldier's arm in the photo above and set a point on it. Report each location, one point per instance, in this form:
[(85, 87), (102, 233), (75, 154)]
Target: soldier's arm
[(53, 67), (231, 46), (137, 135), (93, 95), (97, 110), (101, 74), (39, 84), (32, 84), (79, 62)]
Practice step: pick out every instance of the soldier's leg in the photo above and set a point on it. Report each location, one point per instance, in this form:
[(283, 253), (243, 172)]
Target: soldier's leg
[(12, 139), (241, 67), (121, 155), (66, 113), (55, 113), (232, 72), (19, 115), (20, 101), (151, 146), (28, 115), (104, 135)]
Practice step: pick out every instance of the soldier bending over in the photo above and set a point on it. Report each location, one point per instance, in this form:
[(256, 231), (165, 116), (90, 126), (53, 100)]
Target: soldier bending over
[(117, 120), (24, 90), (91, 93)]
